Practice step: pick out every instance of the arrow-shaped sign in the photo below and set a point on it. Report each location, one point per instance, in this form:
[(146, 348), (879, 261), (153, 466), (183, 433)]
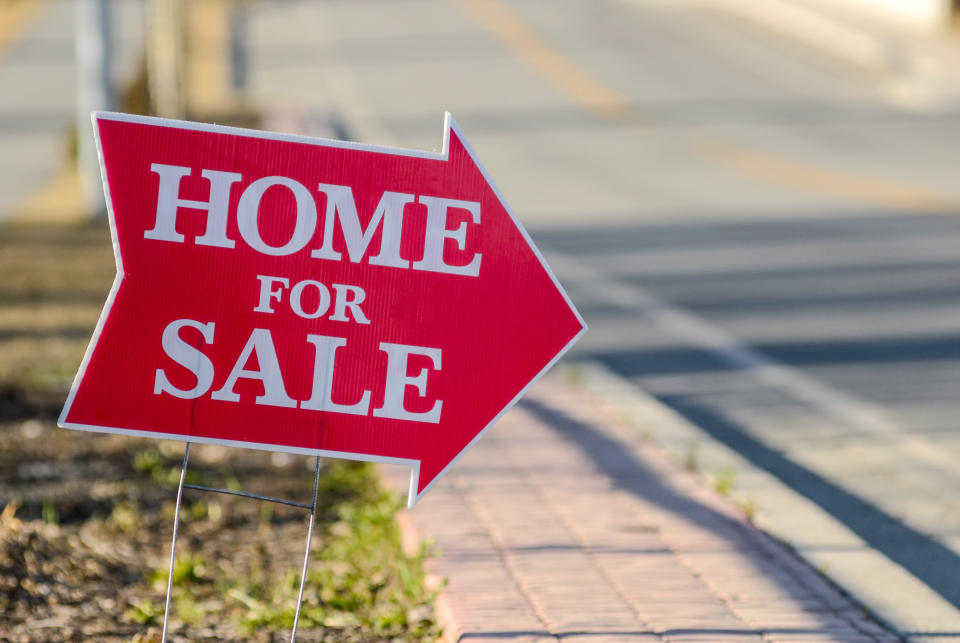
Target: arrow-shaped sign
[(312, 296)]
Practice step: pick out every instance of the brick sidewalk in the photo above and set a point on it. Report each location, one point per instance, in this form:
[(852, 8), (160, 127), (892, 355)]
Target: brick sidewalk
[(558, 526)]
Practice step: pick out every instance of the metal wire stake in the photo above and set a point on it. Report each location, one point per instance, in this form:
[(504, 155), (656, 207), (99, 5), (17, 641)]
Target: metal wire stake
[(306, 555), (173, 544)]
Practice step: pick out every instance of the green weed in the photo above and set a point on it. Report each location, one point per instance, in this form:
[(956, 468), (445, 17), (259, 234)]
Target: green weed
[(49, 512), (724, 480), (189, 569), (360, 580), (124, 516), (144, 612)]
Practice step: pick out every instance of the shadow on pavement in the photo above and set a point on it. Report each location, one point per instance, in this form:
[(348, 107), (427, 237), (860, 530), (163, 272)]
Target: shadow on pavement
[(633, 476), (863, 303), (921, 555)]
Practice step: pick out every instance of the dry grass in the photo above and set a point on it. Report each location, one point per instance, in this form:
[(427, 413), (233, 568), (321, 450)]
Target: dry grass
[(53, 282), (85, 530)]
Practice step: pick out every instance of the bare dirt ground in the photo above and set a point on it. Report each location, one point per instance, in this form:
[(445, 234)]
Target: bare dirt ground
[(86, 518)]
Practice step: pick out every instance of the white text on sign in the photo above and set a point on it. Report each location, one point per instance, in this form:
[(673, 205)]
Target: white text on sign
[(340, 208), (268, 372)]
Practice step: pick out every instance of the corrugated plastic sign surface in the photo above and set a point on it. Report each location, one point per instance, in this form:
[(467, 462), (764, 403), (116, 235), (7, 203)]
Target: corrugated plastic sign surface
[(312, 296)]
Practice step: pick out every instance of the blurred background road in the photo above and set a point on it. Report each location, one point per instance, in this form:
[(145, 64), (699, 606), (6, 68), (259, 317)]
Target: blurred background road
[(756, 210)]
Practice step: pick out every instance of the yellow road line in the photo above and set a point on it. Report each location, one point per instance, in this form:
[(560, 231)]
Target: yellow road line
[(13, 20), (550, 63), (603, 102), (833, 183), (58, 198), (208, 63)]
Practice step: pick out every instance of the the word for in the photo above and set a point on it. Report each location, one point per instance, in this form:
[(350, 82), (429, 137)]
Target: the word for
[(348, 298)]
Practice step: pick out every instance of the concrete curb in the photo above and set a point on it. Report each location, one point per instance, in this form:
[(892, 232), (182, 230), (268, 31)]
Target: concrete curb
[(891, 593)]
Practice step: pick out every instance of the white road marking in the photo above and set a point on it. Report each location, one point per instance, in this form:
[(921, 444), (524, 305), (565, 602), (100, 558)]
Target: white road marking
[(855, 412)]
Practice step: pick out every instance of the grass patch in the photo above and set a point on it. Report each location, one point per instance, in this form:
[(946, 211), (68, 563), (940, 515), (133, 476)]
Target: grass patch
[(238, 560), (54, 280), (361, 585)]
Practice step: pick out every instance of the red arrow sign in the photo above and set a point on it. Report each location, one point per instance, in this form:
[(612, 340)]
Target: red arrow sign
[(312, 296)]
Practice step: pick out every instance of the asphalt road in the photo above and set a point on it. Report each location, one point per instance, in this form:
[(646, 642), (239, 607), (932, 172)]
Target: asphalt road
[(799, 227), (757, 234), (36, 74), (38, 88)]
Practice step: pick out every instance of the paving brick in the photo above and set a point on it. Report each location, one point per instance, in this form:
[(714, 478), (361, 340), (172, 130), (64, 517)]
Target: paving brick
[(560, 527)]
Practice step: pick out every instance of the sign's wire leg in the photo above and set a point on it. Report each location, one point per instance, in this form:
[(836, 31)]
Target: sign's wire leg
[(306, 555), (173, 544)]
